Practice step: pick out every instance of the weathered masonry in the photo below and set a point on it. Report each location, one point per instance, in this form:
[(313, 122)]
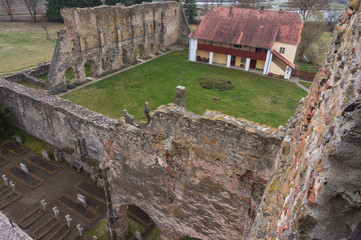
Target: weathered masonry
[(106, 38)]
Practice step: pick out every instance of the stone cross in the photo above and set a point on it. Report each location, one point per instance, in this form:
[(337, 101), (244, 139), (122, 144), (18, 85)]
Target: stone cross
[(180, 96), (24, 168), (80, 229), (45, 154), (43, 203), (138, 236), (6, 180), (12, 185), (128, 118), (82, 200), (56, 212), (68, 220), (18, 139)]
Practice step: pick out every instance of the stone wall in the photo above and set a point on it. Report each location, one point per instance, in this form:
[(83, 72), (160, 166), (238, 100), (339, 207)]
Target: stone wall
[(108, 37), (201, 176), (315, 191)]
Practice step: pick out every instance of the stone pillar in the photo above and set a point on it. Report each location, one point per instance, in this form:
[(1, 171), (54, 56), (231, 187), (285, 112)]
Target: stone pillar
[(229, 60), (210, 57), (180, 96), (193, 42), (267, 62), (288, 72), (248, 62)]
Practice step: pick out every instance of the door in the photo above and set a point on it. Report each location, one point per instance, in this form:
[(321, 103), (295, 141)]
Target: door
[(233, 60), (253, 64)]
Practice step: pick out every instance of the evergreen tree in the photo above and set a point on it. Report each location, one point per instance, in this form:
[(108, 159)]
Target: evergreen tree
[(190, 10), (53, 7)]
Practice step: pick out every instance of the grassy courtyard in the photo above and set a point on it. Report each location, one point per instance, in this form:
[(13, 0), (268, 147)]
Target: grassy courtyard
[(24, 44), (255, 97)]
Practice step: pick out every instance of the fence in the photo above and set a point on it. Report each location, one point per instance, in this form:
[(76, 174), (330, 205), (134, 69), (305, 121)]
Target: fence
[(303, 74)]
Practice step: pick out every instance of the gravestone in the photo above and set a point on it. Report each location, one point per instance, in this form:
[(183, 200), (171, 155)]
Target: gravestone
[(80, 229), (45, 154), (56, 212), (6, 180), (24, 168), (180, 96), (12, 185), (81, 200), (93, 149), (68, 220), (138, 236), (43, 203), (100, 183), (18, 139)]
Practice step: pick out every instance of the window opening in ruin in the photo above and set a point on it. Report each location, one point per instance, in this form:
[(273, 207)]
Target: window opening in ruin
[(69, 74), (90, 69), (140, 51), (139, 221), (125, 57)]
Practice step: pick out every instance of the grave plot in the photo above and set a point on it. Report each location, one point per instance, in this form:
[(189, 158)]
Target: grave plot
[(91, 190), (4, 189), (15, 148), (42, 164), (45, 228), (32, 217), (9, 199), (88, 213), (61, 233), (29, 179), (3, 160)]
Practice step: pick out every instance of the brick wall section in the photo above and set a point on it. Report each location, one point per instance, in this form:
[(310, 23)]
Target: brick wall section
[(201, 176), (315, 191)]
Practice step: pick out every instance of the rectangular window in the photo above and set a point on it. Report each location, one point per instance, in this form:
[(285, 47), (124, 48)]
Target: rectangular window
[(243, 60), (282, 50), (236, 46)]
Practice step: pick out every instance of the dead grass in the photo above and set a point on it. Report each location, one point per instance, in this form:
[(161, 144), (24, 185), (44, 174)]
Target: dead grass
[(24, 45)]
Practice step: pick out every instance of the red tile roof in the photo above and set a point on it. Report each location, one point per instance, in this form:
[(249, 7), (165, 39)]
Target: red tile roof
[(282, 58), (249, 27)]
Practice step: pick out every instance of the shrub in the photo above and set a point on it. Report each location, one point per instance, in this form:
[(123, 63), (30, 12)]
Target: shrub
[(215, 83)]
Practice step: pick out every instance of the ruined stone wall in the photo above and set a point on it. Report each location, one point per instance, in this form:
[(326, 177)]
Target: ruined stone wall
[(201, 176), (315, 191), (109, 37)]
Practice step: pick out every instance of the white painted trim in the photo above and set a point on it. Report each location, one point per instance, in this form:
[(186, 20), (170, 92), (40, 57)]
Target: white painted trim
[(248, 62), (288, 72), (267, 63), (210, 57), (193, 43), (229, 60)]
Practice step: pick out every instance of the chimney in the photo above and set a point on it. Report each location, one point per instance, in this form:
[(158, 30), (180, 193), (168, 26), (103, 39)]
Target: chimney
[(230, 12), (262, 10)]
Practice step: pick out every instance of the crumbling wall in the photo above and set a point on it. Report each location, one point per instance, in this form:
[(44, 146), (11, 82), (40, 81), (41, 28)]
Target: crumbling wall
[(109, 37), (315, 191), (201, 176)]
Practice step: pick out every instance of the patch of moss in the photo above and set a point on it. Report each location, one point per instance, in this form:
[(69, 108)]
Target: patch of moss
[(216, 83)]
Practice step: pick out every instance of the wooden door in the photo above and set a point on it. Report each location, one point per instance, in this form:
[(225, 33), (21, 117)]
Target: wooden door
[(233, 60), (253, 64)]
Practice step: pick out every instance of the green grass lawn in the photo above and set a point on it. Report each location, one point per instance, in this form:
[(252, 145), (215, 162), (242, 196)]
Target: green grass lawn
[(24, 44), (255, 97), (306, 84)]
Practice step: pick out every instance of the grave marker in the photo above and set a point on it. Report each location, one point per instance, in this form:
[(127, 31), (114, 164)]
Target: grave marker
[(24, 168), (12, 185), (138, 235), (18, 139), (45, 154), (68, 220), (93, 149), (80, 229), (43, 203), (56, 212), (100, 183), (82, 200), (6, 180)]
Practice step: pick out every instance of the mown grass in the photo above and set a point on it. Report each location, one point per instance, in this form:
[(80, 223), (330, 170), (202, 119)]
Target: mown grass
[(31, 85), (24, 44), (306, 84), (255, 97)]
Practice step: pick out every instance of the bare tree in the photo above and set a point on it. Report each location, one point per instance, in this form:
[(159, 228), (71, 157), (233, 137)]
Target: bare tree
[(332, 16), (32, 6), (311, 33), (307, 8), (8, 6), (246, 3)]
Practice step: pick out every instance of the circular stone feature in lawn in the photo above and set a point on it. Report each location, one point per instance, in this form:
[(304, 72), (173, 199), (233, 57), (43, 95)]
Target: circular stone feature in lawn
[(216, 83)]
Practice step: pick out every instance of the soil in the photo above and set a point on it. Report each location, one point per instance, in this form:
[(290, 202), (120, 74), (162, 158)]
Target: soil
[(88, 214), (43, 164), (29, 219), (9, 199), (139, 215), (61, 233), (15, 148), (45, 228), (29, 180), (3, 161), (91, 190), (4, 189)]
